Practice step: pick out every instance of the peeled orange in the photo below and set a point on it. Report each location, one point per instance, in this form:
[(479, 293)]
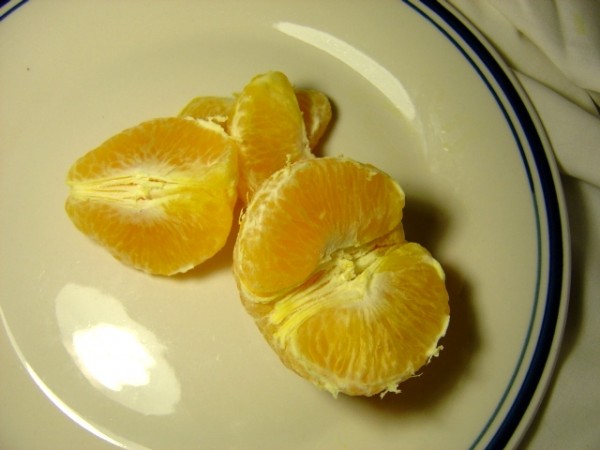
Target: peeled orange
[(268, 125), (320, 260), (322, 265), (159, 196)]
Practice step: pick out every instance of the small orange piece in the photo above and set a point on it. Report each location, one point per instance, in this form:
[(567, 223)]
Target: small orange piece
[(316, 111), (314, 105), (268, 124), (158, 196), (323, 267), (215, 109)]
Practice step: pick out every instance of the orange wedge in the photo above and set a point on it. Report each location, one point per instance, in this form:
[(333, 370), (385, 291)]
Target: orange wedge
[(314, 105), (215, 109), (322, 265), (159, 196), (268, 124)]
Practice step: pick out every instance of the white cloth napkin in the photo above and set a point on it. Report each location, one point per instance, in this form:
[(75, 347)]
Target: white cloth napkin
[(553, 46)]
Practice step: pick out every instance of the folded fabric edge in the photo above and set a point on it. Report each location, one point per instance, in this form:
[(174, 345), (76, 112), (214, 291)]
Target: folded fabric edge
[(573, 132), (520, 52)]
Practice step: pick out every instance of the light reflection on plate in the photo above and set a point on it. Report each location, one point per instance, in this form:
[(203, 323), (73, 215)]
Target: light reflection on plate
[(361, 63), (119, 355)]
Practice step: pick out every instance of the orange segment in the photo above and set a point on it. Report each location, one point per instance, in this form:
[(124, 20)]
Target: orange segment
[(268, 125), (323, 267), (308, 211), (215, 109), (316, 111), (314, 105), (368, 334), (158, 196)]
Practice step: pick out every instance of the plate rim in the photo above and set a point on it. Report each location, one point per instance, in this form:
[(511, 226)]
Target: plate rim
[(7, 7), (515, 423)]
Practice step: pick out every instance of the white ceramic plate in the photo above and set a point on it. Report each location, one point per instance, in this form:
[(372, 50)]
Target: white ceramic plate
[(108, 356)]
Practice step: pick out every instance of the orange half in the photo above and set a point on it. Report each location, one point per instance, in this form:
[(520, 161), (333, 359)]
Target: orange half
[(159, 196), (322, 265)]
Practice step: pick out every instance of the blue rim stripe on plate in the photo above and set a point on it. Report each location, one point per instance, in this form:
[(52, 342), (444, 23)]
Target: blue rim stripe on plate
[(556, 255), (482, 54), (11, 9), (550, 197)]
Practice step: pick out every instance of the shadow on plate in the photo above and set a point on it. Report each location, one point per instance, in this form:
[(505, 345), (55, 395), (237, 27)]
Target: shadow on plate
[(424, 223), (437, 379), (427, 224)]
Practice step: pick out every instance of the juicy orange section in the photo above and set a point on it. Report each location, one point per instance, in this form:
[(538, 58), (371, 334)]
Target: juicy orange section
[(314, 105), (323, 267), (398, 312), (307, 211), (215, 109), (316, 112), (159, 196), (268, 124)]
